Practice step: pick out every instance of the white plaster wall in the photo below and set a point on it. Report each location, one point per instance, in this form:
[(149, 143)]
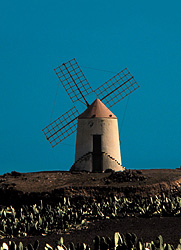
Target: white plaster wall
[(107, 127), (110, 138), (109, 163), (84, 164)]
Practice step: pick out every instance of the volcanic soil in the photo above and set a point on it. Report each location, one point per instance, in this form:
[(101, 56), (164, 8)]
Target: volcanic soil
[(17, 189)]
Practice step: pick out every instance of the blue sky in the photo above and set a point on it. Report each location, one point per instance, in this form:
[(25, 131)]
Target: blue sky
[(37, 36)]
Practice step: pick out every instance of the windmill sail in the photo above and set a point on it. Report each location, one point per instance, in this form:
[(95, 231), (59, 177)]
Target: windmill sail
[(74, 81), (77, 87), (117, 88), (62, 127)]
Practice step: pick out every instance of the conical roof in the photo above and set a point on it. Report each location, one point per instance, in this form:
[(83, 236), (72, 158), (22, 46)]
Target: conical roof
[(97, 109)]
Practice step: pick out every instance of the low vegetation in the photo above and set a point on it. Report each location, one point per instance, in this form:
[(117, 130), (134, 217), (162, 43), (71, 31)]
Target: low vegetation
[(117, 242), (70, 215)]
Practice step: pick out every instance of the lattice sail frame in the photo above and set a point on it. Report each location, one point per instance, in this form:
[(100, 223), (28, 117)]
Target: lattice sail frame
[(62, 127), (74, 81), (117, 88), (77, 87)]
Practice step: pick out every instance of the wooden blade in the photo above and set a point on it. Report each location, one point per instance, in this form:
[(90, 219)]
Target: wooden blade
[(74, 81), (62, 127), (117, 88)]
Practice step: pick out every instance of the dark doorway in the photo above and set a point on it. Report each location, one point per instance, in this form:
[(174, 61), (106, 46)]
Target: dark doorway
[(97, 154)]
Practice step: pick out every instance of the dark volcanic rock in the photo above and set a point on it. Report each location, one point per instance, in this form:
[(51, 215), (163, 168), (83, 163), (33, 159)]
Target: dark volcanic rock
[(127, 176)]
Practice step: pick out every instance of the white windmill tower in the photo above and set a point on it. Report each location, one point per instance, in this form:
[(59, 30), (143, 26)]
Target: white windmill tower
[(97, 140)]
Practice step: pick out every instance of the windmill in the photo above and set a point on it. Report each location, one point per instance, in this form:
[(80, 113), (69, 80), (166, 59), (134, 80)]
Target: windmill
[(97, 137)]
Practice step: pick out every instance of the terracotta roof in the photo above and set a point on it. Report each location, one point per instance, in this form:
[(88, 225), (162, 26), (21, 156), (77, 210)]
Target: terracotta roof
[(97, 109)]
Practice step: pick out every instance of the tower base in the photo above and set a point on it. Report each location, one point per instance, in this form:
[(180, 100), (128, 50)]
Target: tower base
[(87, 163)]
